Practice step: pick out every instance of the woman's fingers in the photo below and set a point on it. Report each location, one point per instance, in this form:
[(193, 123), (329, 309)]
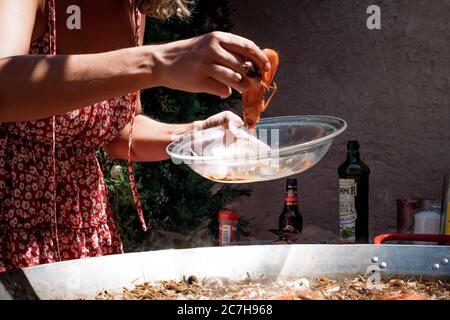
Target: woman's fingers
[(233, 118), (232, 61), (192, 64), (233, 122), (235, 135), (228, 119), (235, 63), (218, 88), (228, 77), (247, 49)]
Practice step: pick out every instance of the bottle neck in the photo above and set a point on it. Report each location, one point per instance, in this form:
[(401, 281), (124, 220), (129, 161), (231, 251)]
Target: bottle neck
[(291, 203), (353, 156), (291, 197)]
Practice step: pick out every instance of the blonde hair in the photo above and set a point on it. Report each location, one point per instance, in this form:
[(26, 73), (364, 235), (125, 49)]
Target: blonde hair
[(164, 9)]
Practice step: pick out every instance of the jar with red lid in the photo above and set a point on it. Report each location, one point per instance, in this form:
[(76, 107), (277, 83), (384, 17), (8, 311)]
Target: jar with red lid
[(228, 220)]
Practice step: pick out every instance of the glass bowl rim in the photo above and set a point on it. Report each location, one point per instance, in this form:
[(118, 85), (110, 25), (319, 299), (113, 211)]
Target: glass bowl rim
[(281, 152)]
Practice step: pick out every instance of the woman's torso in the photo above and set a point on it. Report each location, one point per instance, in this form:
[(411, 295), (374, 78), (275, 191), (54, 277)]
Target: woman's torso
[(105, 26)]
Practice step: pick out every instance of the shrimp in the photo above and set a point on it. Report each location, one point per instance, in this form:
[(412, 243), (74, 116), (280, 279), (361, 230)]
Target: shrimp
[(253, 99)]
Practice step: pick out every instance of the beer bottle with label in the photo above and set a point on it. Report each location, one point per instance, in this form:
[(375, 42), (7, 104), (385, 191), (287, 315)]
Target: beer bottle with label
[(354, 197), (291, 221)]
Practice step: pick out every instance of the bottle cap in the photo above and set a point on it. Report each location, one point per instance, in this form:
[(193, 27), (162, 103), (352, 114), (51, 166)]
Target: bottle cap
[(292, 181), (426, 204), (227, 215), (353, 145)]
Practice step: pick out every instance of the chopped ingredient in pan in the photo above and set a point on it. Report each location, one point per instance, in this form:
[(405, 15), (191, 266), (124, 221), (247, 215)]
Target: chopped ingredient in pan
[(358, 288)]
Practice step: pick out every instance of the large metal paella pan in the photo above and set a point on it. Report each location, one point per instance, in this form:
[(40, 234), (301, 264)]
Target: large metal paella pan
[(88, 277)]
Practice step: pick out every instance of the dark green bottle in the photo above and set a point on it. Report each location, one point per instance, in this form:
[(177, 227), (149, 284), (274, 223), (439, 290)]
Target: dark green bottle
[(354, 197)]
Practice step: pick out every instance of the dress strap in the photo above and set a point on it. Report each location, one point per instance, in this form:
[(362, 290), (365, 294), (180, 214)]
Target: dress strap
[(137, 199), (52, 25), (137, 22), (53, 187)]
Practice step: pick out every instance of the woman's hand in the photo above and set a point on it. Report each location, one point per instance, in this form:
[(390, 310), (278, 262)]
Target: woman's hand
[(236, 138), (150, 137), (228, 119), (213, 63)]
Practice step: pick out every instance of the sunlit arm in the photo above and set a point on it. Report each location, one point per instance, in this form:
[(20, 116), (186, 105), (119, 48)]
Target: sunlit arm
[(35, 87)]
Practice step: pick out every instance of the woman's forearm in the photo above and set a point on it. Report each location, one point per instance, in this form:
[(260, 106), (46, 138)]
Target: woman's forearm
[(149, 140), (36, 86)]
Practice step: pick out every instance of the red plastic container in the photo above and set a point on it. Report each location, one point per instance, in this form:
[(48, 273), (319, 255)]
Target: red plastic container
[(228, 220)]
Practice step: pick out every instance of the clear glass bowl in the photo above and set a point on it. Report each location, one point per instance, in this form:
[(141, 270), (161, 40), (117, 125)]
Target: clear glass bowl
[(279, 147)]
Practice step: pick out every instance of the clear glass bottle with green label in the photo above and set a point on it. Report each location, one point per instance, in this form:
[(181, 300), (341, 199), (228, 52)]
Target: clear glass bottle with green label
[(354, 197)]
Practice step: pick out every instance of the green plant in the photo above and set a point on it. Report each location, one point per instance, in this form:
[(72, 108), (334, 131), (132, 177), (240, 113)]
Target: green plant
[(175, 200)]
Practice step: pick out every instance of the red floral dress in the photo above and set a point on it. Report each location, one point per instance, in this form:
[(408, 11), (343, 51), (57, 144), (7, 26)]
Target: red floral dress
[(53, 199)]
